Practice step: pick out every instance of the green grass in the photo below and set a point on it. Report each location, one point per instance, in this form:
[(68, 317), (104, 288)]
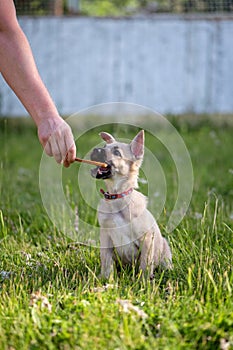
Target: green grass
[(50, 294)]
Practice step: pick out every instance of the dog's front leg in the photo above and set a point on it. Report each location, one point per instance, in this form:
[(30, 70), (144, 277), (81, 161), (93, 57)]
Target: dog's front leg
[(147, 255), (106, 254)]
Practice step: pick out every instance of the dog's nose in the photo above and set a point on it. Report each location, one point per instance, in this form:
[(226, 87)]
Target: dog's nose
[(98, 154)]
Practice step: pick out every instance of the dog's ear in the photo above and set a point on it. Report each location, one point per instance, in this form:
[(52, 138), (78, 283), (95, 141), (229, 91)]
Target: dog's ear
[(108, 138), (137, 145)]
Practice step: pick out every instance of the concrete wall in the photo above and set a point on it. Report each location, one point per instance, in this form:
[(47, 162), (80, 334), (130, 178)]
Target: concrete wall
[(169, 63)]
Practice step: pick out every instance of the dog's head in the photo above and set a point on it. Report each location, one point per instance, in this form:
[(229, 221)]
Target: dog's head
[(124, 160)]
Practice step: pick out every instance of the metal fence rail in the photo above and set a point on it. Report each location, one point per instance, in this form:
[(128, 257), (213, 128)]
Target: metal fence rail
[(87, 7)]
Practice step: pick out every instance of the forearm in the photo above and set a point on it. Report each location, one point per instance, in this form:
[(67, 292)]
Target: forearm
[(19, 70)]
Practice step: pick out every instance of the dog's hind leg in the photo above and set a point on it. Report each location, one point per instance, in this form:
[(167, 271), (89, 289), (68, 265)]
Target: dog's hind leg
[(166, 256)]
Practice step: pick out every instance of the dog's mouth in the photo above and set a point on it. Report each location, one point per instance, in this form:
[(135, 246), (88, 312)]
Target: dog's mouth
[(102, 172), (99, 155)]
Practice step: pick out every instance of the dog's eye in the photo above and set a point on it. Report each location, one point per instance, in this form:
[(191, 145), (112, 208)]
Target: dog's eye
[(116, 153)]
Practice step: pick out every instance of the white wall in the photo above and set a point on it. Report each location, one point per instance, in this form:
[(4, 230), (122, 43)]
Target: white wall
[(169, 63)]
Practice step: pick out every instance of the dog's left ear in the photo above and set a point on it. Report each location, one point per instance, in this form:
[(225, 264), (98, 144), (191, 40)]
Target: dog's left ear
[(137, 145)]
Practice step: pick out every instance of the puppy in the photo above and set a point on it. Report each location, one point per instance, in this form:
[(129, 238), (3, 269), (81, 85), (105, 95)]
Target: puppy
[(128, 231)]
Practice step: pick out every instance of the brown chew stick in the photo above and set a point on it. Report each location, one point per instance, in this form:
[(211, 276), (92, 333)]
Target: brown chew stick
[(92, 162)]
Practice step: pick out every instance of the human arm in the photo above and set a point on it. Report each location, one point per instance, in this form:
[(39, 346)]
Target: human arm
[(18, 68)]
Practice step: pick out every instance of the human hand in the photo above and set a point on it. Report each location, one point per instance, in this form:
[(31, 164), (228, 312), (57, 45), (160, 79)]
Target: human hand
[(56, 137)]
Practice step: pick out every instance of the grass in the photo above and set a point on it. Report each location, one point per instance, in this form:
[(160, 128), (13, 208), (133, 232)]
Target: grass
[(50, 294)]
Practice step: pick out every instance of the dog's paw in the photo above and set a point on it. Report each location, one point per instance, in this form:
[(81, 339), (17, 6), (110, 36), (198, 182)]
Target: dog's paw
[(104, 277), (152, 276)]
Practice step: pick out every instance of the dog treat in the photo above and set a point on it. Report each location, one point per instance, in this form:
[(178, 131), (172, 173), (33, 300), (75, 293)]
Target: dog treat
[(92, 162)]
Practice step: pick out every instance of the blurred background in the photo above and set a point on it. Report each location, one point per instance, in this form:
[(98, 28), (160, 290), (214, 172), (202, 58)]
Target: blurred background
[(174, 56)]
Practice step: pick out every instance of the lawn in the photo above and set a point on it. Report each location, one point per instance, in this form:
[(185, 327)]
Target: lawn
[(50, 293)]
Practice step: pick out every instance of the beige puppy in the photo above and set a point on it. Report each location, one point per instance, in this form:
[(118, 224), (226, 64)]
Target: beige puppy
[(128, 231)]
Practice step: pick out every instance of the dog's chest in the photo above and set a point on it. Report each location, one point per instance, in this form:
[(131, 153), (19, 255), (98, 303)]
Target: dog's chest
[(122, 234), (117, 220), (114, 217)]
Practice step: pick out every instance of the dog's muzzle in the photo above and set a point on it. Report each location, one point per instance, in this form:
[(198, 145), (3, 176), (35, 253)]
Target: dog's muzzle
[(99, 155)]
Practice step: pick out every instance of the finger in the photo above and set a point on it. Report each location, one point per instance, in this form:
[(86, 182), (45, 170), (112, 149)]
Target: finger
[(61, 143), (48, 149), (70, 148), (70, 156), (56, 153), (66, 163), (63, 135)]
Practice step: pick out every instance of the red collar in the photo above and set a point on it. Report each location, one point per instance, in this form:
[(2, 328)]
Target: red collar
[(108, 195)]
